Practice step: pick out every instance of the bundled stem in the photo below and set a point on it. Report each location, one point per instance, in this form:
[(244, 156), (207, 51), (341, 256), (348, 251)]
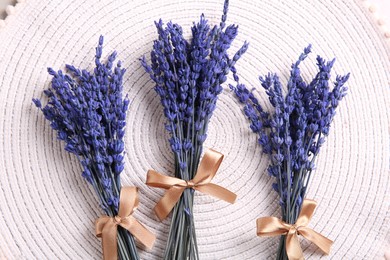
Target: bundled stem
[(182, 237)]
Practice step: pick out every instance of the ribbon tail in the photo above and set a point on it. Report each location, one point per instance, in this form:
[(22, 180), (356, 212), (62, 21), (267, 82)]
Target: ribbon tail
[(293, 248), (108, 233), (143, 235), (217, 191), (316, 238), (99, 225), (168, 201)]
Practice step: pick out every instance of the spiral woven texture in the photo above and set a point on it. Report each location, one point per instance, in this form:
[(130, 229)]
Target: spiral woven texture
[(47, 210)]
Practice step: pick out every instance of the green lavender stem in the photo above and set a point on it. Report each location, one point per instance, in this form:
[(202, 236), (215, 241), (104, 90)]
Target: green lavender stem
[(282, 254), (182, 239), (126, 245)]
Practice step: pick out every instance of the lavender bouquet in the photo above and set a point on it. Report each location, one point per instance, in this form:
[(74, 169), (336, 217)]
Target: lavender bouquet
[(188, 78), (292, 135), (88, 111)]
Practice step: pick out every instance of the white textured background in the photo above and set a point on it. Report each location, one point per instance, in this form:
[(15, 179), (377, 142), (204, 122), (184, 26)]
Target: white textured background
[(47, 210), (381, 10)]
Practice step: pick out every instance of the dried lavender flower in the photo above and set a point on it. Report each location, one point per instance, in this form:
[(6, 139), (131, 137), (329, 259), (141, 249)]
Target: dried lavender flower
[(188, 77), (88, 111), (293, 133)]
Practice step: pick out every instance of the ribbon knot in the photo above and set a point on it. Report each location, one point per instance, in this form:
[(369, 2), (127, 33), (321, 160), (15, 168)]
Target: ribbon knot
[(118, 220), (175, 187), (107, 227), (271, 226), (293, 229), (190, 184)]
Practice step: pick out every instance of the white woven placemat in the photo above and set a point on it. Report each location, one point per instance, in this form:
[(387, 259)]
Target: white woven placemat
[(47, 210)]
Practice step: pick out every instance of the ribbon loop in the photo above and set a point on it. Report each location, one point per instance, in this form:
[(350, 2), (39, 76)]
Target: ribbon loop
[(107, 227), (307, 211), (208, 167), (175, 187), (271, 226)]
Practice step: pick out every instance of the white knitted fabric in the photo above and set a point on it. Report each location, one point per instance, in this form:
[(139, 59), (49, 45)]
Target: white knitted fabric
[(47, 210)]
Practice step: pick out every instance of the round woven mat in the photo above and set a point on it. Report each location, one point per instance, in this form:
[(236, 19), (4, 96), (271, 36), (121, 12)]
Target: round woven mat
[(47, 211)]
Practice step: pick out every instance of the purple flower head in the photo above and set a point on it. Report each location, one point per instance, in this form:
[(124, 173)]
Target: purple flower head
[(189, 75), (88, 111), (293, 132)]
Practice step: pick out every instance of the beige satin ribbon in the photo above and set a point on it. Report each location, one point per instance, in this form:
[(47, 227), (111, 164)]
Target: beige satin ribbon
[(207, 169), (106, 227), (271, 226)]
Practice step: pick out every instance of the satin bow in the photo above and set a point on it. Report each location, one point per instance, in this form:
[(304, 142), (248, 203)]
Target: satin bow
[(207, 169), (271, 226), (106, 227)]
